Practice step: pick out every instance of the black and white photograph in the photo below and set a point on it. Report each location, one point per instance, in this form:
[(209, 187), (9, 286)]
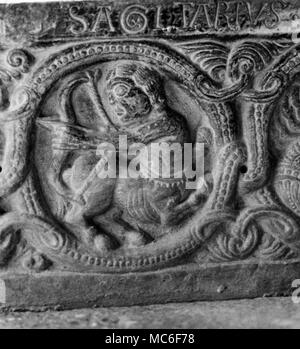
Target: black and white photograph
[(149, 167)]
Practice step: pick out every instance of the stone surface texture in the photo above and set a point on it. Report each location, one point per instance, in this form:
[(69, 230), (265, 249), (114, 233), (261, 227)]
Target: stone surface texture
[(149, 151), (269, 313)]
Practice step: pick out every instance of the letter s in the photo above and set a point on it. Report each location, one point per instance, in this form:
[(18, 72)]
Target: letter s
[(80, 19)]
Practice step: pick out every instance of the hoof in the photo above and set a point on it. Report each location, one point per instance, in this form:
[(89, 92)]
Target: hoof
[(134, 239), (102, 244)]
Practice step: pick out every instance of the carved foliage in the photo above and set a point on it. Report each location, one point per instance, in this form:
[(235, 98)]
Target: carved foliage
[(70, 217)]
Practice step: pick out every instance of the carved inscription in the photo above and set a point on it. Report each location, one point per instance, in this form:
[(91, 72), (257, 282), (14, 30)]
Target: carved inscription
[(139, 19), (166, 19)]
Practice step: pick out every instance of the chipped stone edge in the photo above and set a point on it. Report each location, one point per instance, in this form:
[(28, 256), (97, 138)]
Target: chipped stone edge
[(65, 290)]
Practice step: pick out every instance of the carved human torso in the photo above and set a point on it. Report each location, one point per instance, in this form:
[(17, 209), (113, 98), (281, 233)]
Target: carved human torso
[(89, 94)]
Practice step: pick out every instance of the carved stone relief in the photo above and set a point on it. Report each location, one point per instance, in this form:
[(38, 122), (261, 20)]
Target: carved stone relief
[(76, 88)]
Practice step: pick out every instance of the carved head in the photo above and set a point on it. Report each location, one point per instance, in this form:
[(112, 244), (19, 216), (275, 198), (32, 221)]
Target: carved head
[(133, 92)]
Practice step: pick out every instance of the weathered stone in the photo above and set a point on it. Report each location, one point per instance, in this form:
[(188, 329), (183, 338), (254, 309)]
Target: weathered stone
[(91, 212), (259, 313), (66, 290)]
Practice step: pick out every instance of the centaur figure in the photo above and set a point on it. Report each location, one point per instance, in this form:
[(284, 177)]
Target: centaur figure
[(133, 104)]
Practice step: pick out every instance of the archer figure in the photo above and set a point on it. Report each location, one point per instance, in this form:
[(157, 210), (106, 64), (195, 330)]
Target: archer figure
[(136, 107)]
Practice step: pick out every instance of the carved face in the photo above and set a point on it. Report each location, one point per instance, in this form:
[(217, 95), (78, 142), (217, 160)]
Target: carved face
[(127, 101), (133, 92)]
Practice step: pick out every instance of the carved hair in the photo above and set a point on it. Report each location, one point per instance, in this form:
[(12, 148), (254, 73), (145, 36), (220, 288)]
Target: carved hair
[(148, 80)]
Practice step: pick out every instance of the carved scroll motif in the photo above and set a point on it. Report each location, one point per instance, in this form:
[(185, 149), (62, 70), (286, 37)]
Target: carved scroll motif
[(67, 217)]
